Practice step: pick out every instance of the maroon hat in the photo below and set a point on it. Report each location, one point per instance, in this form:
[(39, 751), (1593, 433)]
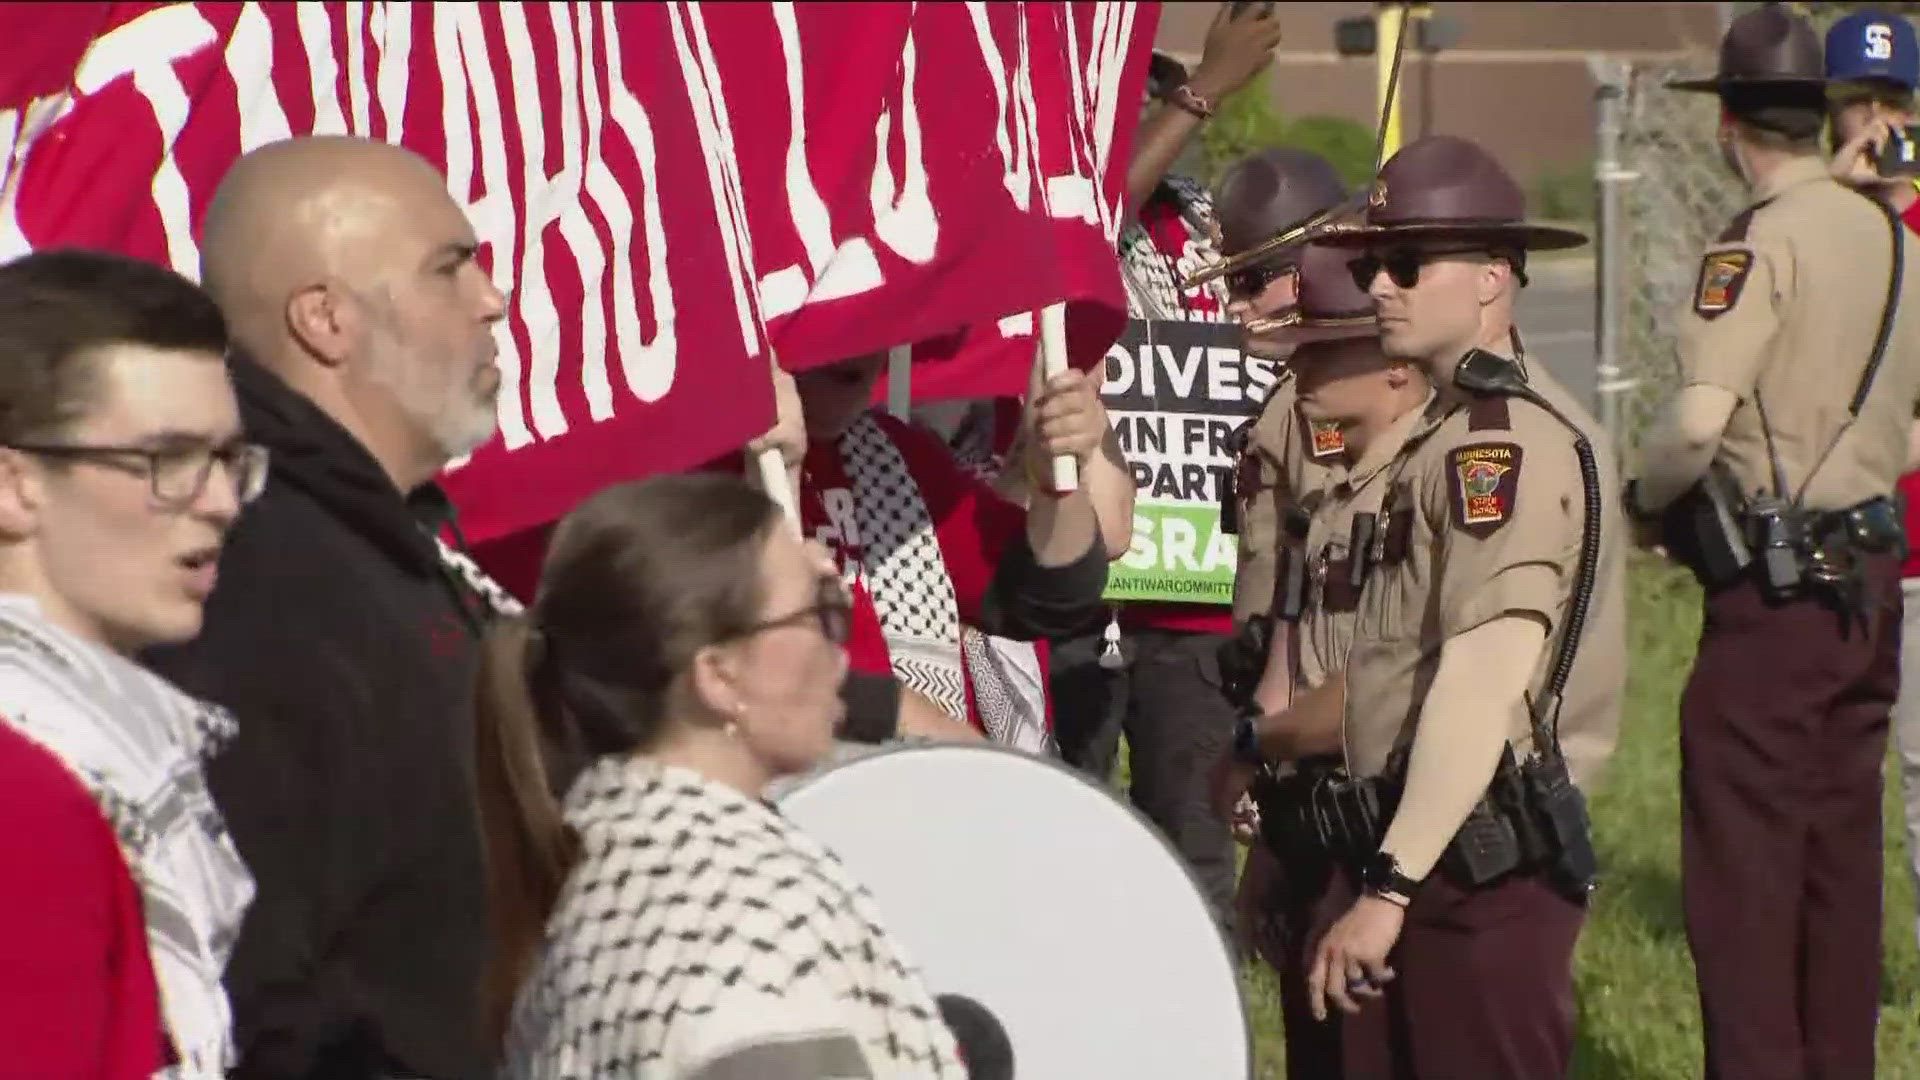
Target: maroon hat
[(1767, 49), (1272, 192), (1444, 187), (1331, 306)]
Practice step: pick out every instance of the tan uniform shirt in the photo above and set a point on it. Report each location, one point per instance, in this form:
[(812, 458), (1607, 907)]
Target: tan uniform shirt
[(1280, 466), (1784, 314), (1494, 513), (1325, 630)]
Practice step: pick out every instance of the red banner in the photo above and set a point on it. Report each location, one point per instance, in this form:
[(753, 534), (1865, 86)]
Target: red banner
[(665, 190)]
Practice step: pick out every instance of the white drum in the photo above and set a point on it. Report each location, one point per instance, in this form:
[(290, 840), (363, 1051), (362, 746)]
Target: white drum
[(1020, 884)]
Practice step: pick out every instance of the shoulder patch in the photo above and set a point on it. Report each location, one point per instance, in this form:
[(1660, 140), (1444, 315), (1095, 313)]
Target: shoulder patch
[(1325, 437), (1484, 478), (1722, 273)]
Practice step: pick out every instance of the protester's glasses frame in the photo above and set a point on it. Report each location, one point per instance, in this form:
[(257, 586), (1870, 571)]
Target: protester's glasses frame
[(832, 610), (177, 475)]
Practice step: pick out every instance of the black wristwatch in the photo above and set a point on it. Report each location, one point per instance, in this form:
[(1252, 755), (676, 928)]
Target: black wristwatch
[(1380, 876), (1246, 738)]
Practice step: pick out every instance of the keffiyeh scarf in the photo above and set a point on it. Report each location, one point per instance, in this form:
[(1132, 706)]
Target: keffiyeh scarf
[(137, 744), (902, 569), (702, 927)]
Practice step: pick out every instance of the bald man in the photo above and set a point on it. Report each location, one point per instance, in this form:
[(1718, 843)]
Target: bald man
[(363, 334)]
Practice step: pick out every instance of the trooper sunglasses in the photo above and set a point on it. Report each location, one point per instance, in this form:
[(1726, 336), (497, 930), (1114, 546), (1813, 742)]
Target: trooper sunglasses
[(1250, 281), (1402, 266)]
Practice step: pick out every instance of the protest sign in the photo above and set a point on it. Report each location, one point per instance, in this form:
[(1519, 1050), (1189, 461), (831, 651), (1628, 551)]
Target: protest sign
[(1175, 392)]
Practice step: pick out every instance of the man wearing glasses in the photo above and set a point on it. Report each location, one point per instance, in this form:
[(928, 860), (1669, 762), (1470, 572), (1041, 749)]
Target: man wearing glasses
[(1466, 850), (122, 470), (339, 638)]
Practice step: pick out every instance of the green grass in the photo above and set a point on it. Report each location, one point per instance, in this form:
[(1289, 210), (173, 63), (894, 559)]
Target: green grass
[(1639, 1016)]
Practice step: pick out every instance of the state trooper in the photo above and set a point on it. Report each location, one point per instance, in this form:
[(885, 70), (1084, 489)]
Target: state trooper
[(1770, 478), (1462, 841)]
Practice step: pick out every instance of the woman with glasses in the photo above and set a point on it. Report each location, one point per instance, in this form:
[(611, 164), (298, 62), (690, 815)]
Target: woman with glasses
[(122, 468), (684, 649)]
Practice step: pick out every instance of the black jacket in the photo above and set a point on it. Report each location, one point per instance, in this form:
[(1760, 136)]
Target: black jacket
[(347, 654)]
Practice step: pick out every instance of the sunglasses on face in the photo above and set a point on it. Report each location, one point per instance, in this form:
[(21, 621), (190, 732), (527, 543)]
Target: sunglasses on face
[(1402, 267), (1251, 281)]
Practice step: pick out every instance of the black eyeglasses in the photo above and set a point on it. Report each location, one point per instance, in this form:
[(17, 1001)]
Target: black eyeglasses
[(176, 474), (1402, 267), (832, 609), (1249, 282)]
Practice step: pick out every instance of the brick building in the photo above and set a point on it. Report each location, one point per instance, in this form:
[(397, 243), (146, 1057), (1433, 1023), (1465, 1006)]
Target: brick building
[(1516, 79)]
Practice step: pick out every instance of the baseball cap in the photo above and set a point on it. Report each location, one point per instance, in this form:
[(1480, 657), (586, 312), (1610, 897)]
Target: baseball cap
[(1873, 45)]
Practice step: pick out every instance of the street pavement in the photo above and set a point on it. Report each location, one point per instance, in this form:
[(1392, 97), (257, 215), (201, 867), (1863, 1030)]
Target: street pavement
[(1555, 314)]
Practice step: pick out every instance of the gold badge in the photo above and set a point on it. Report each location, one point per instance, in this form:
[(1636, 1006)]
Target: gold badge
[(1722, 273), (1378, 196), (1486, 479)]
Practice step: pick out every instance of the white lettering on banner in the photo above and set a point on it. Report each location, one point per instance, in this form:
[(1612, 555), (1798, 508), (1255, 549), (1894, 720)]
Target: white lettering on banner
[(356, 11), (577, 230), (908, 225), (543, 196), (784, 290), (393, 36), (1109, 63), (716, 143), (249, 58), (1013, 150), (323, 70), (646, 366), (492, 211)]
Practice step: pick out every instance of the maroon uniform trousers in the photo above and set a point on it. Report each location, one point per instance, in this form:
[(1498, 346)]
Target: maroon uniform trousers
[(1783, 732), (1483, 989)]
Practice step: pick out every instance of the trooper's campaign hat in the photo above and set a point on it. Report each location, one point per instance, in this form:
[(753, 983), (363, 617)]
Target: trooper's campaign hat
[(1269, 193), (1769, 51), (1331, 307), (1445, 187)]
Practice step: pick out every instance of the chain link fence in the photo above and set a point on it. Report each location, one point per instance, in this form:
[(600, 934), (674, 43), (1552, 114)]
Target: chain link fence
[(1664, 193)]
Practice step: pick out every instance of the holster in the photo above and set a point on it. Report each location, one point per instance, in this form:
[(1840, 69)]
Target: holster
[(1703, 530), (1243, 659)]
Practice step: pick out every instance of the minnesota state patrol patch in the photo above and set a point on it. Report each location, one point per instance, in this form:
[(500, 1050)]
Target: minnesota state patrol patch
[(1722, 273), (1485, 478), (1326, 437)]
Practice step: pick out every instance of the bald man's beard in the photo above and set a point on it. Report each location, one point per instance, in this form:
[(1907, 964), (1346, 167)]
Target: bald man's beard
[(451, 406)]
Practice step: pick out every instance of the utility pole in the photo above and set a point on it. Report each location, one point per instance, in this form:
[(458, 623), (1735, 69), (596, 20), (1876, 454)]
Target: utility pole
[(1388, 18)]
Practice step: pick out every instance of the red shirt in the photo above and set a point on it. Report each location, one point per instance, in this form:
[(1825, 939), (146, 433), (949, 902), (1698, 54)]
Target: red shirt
[(78, 999)]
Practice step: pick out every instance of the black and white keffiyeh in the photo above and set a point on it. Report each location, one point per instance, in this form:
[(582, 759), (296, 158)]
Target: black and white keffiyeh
[(136, 744), (1152, 276), (903, 570), (703, 934)]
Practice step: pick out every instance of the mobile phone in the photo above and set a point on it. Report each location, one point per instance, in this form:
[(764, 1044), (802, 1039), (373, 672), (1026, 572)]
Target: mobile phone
[(1900, 154), (1240, 7)]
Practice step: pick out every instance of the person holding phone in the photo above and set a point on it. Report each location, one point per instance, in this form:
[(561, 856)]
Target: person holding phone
[(1873, 66)]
